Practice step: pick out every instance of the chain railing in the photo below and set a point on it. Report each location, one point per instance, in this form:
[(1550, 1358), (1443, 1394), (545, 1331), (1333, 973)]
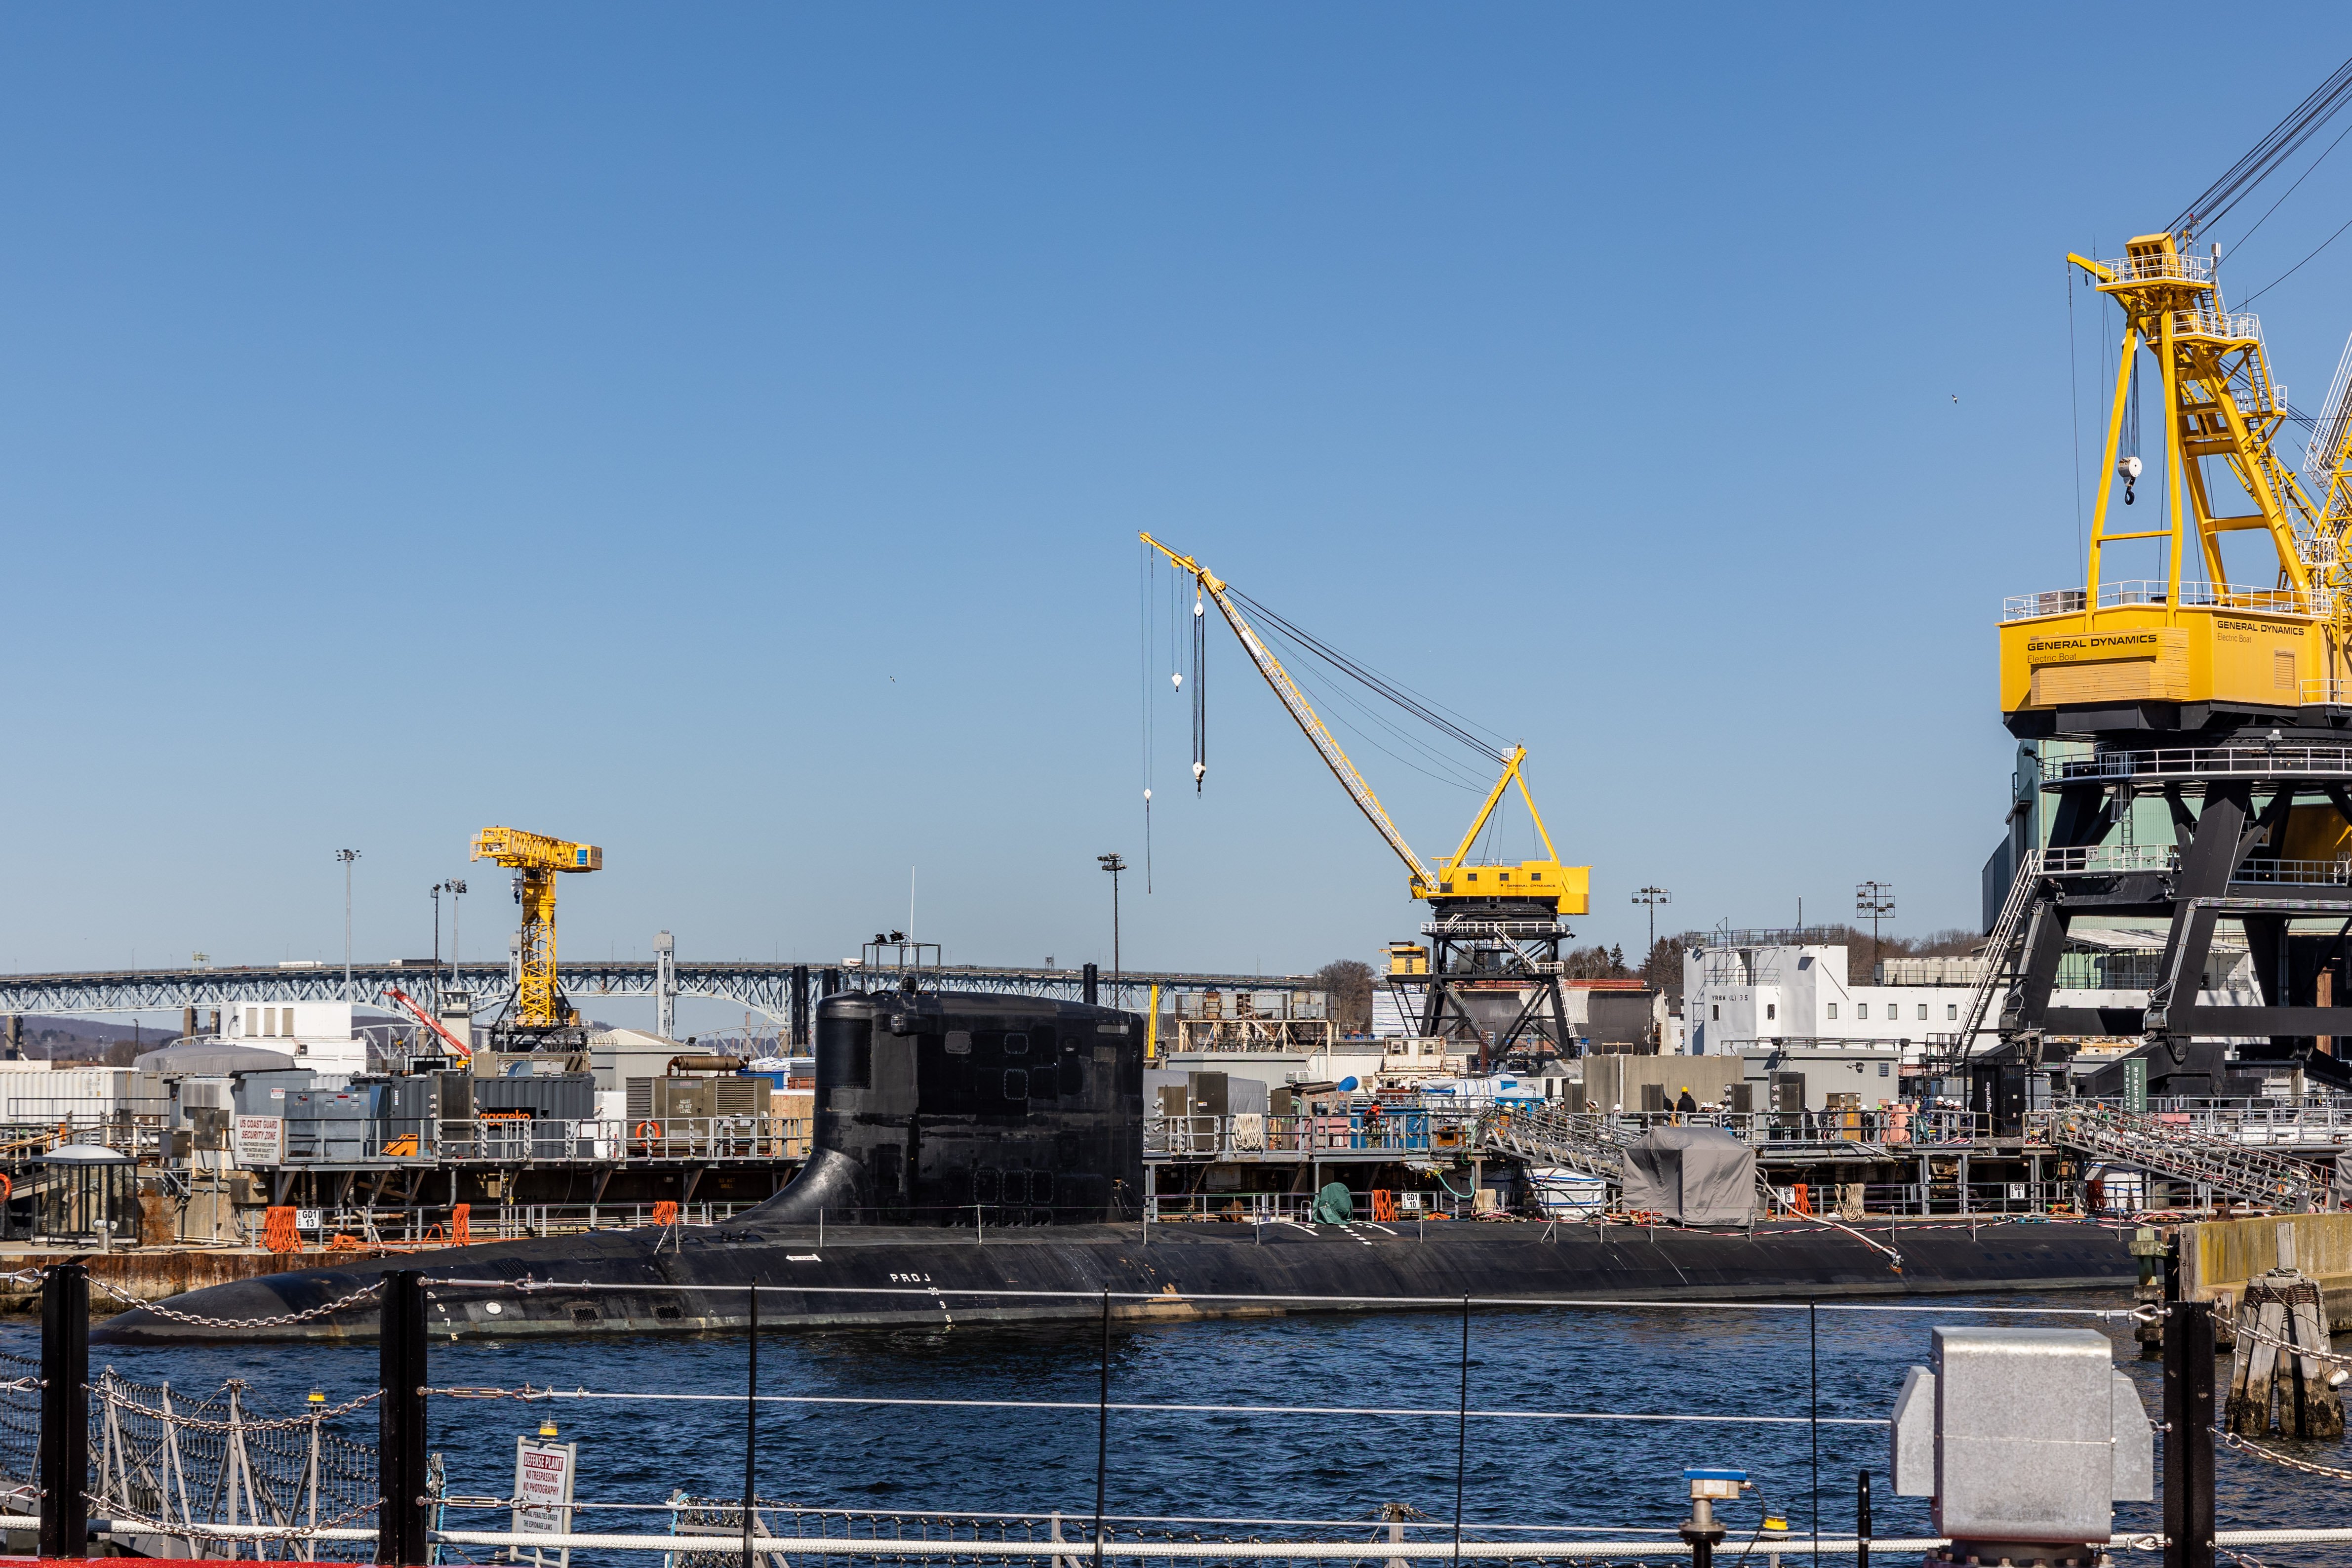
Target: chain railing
[(168, 1469)]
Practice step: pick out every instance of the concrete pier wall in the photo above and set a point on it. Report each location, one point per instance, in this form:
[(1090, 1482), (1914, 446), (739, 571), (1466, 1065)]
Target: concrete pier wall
[(2218, 1257)]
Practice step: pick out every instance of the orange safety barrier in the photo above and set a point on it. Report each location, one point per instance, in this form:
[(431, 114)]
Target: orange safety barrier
[(664, 1212), (1384, 1205), (461, 1229), (279, 1234)]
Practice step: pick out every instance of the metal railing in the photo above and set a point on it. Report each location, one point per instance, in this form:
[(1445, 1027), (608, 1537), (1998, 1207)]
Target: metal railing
[(2239, 326), (2144, 591), (430, 1226), (2091, 859), (2156, 266), (2197, 762), (1353, 1131), (2181, 1149), (1546, 1133), (510, 1139)]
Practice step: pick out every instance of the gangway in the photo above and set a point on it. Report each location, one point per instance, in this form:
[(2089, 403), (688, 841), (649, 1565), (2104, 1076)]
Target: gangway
[(1584, 1144), (2181, 1152)]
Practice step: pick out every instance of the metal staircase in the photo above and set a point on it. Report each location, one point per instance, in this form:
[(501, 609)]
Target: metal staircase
[(2169, 1149), (2003, 952), (1580, 1143)]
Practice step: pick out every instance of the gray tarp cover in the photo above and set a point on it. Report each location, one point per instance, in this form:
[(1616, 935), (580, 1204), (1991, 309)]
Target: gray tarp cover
[(212, 1060), (1699, 1175)]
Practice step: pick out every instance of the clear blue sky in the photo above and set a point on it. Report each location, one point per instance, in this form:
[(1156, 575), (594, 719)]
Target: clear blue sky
[(721, 434)]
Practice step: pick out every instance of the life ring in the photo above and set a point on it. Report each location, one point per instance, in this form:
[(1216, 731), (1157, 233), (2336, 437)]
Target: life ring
[(647, 1131), (8, 1187)]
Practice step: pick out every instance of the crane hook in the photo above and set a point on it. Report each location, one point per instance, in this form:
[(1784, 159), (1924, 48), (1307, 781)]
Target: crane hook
[(1179, 679), (1197, 609), (2129, 467)]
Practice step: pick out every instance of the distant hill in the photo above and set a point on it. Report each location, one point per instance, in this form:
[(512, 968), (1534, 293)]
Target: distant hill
[(85, 1040)]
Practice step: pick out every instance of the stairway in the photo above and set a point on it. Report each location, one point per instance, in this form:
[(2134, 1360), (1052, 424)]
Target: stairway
[(2002, 956), (1575, 1141), (2170, 1149)]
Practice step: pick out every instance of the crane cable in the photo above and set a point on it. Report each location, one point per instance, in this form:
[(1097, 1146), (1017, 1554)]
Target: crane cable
[(2283, 140), (1443, 721)]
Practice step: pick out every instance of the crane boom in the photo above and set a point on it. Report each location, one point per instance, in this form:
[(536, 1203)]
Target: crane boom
[(1326, 744)]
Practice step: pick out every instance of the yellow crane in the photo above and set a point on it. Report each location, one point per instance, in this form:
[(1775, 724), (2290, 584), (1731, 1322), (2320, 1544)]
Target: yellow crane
[(1564, 889), (1499, 918), (540, 1007)]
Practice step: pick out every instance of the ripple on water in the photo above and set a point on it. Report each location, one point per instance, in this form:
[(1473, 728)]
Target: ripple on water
[(1713, 1361)]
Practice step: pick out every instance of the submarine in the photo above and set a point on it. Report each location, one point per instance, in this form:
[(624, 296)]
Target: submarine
[(978, 1159)]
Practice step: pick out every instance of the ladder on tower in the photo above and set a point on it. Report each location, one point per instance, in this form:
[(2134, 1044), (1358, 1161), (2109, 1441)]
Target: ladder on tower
[(2004, 955), (1580, 1143), (2180, 1153)]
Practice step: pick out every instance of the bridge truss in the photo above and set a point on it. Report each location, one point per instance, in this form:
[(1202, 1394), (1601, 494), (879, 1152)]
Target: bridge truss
[(762, 987)]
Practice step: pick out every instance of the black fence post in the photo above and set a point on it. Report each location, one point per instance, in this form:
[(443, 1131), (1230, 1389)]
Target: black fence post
[(2189, 1434), (65, 1411), (401, 1513), (1861, 1520)]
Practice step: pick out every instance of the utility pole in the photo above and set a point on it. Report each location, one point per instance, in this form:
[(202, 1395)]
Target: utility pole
[(347, 857), (1875, 899), (1113, 865), (456, 887), (1652, 897)]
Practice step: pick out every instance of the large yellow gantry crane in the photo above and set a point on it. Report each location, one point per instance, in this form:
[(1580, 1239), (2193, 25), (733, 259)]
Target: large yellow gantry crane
[(1497, 930), (2216, 684), (540, 1016)]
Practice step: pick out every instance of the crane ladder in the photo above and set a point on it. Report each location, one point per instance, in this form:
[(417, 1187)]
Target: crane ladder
[(2173, 1150), (2003, 954)]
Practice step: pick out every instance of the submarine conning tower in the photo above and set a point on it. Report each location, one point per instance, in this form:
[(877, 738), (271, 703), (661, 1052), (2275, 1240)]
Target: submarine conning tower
[(952, 1108)]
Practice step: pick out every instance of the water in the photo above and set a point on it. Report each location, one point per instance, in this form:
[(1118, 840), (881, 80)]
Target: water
[(1606, 1476)]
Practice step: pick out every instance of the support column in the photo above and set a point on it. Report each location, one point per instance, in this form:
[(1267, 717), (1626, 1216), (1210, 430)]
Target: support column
[(65, 1411), (2189, 1434), (800, 1009), (665, 983), (401, 1512)]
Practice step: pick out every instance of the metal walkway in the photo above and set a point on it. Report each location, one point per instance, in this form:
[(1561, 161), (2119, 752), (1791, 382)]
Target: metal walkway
[(1583, 1143), (2183, 1153)]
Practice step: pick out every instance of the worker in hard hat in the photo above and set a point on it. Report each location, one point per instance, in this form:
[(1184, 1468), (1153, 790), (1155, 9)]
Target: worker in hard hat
[(1686, 1105)]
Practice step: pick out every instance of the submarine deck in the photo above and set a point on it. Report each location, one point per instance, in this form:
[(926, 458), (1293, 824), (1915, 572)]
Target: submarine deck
[(890, 1278)]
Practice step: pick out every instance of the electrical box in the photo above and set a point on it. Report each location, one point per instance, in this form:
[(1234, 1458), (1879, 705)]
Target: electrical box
[(2022, 1434)]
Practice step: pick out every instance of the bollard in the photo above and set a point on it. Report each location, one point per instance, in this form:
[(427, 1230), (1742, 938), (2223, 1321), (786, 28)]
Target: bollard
[(402, 1516), (65, 1411), (2189, 1434)]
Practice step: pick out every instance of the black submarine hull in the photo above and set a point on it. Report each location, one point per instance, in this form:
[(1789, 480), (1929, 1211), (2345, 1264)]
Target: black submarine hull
[(894, 1276)]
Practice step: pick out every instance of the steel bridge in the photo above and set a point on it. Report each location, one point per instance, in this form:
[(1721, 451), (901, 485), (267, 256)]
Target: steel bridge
[(763, 988)]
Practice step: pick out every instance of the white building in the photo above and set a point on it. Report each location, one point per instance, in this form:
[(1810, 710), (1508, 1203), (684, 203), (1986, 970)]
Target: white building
[(1743, 995), (318, 1035)]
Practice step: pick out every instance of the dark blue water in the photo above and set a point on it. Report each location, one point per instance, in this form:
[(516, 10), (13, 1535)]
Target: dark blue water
[(1606, 1475)]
